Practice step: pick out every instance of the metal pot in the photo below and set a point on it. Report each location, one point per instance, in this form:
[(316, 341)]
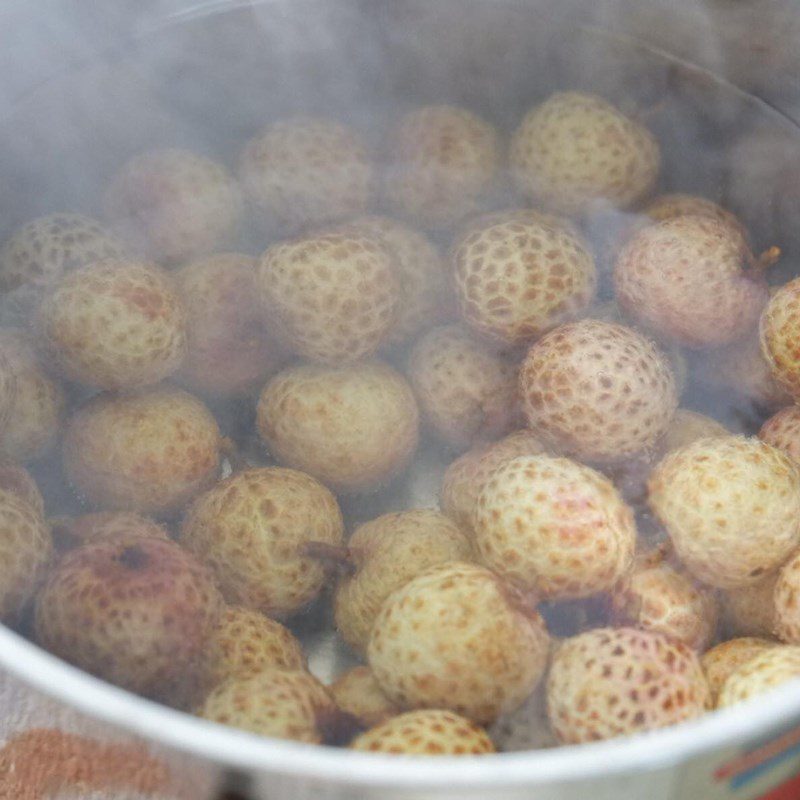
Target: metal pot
[(208, 76)]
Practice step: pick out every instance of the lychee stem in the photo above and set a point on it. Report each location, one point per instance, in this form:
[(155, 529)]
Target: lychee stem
[(336, 556), (765, 260)]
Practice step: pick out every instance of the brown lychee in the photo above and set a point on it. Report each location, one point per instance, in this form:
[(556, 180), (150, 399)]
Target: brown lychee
[(385, 554), (97, 525), (357, 692), (786, 599), (598, 391), (353, 427), (254, 529), (721, 661), (151, 451)]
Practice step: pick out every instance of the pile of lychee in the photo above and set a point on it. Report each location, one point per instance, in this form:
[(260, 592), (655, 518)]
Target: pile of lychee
[(212, 398)]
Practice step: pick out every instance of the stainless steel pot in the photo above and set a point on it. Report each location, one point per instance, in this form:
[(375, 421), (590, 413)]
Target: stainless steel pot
[(208, 75)]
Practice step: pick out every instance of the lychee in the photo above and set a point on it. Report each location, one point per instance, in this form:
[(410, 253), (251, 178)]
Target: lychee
[(721, 661), (516, 276), (782, 430), (687, 427), (114, 324), (134, 610), (458, 637), (576, 150), (385, 554), (306, 171), (97, 525), (353, 427), (37, 411), (466, 391), (750, 610), (756, 676), (18, 481), (787, 601), (657, 596), (598, 391), (229, 348), (427, 732), (281, 703), (731, 506), (254, 530), (357, 692), (332, 297), (151, 451), (466, 475), (174, 205), (670, 206), (619, 681), (553, 526), (443, 165), (690, 280)]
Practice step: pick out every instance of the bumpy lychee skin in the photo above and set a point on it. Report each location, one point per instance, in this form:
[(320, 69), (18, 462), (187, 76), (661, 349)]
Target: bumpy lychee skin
[(229, 348), (386, 553), (306, 171), (281, 703), (553, 526), (244, 641), (26, 549), (457, 637), (465, 477), (151, 451), (517, 277), (466, 391), (780, 336), (423, 291), (93, 527), (657, 596), (306, 417), (18, 481), (575, 150), (332, 297), (34, 421), (134, 610), (598, 391), (687, 427), (174, 204), (759, 674), (619, 681), (731, 506), (115, 324), (721, 661), (670, 206), (254, 529), (685, 279), (443, 165), (41, 251), (428, 732), (750, 610), (357, 692), (782, 430), (787, 601)]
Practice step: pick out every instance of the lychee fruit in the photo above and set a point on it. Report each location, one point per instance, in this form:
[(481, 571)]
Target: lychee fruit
[(98, 525), (787, 601), (229, 348), (466, 475), (426, 732), (516, 276), (423, 291), (598, 391), (444, 164), (780, 336), (174, 205), (357, 692), (254, 530), (36, 415), (18, 481), (553, 526), (26, 548), (134, 610), (244, 641), (385, 554), (332, 297), (466, 391), (306, 171), (281, 703), (670, 206), (619, 681), (353, 427), (690, 280), (458, 637), (657, 596), (114, 324), (731, 506), (151, 451), (721, 661), (576, 150), (782, 430), (687, 427), (756, 676), (750, 610)]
